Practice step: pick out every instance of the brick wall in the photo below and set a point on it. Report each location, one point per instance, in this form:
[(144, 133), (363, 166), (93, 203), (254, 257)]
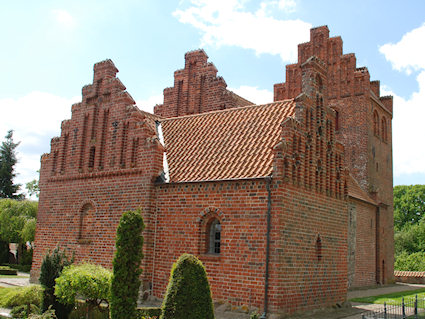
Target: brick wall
[(365, 244), (184, 210)]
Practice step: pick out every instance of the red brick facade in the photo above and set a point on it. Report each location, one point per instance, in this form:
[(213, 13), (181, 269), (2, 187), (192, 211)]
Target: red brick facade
[(276, 177)]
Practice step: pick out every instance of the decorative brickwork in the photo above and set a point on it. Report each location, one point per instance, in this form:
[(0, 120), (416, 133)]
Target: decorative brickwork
[(303, 184), (197, 89)]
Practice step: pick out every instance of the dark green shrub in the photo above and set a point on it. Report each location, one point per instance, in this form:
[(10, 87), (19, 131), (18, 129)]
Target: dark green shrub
[(51, 268), (21, 268), (188, 293), (26, 258), (4, 252), (143, 312), (6, 270), (128, 256), (24, 311)]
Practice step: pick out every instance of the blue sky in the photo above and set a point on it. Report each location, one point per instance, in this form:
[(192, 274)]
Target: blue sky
[(49, 48)]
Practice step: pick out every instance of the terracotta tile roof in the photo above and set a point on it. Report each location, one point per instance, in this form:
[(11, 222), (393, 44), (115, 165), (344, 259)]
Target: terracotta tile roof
[(400, 273), (229, 144), (355, 191)]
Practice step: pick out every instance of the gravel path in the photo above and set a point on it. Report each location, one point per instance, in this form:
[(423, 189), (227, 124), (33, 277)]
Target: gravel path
[(15, 281)]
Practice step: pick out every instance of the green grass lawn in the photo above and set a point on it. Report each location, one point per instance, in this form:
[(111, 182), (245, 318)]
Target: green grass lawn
[(395, 298), (12, 276)]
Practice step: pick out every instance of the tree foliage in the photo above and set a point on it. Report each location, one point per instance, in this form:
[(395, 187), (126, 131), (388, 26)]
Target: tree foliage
[(33, 188), (14, 216), (409, 205), (91, 282), (409, 226), (410, 262), (4, 252), (7, 162), (188, 293), (128, 256), (51, 268)]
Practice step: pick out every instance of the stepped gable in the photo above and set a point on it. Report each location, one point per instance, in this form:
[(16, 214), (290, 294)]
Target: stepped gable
[(197, 89), (230, 144), (344, 78), (105, 133)]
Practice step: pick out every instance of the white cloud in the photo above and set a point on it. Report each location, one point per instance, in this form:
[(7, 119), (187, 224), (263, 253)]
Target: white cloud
[(287, 5), (408, 128), (409, 131), (254, 94), (226, 22), (35, 119), (148, 104), (64, 18), (407, 54)]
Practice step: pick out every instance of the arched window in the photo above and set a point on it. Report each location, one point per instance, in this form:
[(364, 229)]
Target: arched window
[(86, 224), (214, 237), (375, 123)]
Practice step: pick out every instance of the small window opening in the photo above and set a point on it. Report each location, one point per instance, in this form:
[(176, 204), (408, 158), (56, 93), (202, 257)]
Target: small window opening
[(91, 156), (319, 248), (336, 121), (215, 237)]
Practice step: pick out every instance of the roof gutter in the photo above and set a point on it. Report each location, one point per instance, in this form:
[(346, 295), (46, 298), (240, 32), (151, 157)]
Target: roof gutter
[(266, 275)]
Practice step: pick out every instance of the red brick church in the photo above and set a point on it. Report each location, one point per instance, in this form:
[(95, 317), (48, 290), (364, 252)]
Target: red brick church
[(287, 204)]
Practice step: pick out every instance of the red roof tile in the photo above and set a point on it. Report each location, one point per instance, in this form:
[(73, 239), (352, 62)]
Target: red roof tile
[(229, 144), (355, 191)]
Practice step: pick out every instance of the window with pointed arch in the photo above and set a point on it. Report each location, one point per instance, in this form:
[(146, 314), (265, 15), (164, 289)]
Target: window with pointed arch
[(376, 123)]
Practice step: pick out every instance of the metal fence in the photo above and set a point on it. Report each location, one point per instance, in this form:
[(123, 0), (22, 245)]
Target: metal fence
[(412, 308)]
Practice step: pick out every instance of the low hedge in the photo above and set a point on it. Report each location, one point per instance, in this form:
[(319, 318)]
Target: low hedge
[(148, 311), (22, 268), (80, 311), (5, 270)]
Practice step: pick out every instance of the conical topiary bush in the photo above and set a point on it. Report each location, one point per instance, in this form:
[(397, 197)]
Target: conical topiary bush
[(188, 293)]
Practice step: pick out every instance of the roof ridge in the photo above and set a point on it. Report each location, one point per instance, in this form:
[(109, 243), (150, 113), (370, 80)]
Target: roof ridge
[(226, 110)]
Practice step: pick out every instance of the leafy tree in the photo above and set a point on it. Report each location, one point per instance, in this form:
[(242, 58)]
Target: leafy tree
[(91, 282), (409, 205), (128, 256), (410, 262), (51, 268), (7, 162), (410, 239), (13, 217), (17, 223), (28, 231), (188, 293), (33, 188)]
